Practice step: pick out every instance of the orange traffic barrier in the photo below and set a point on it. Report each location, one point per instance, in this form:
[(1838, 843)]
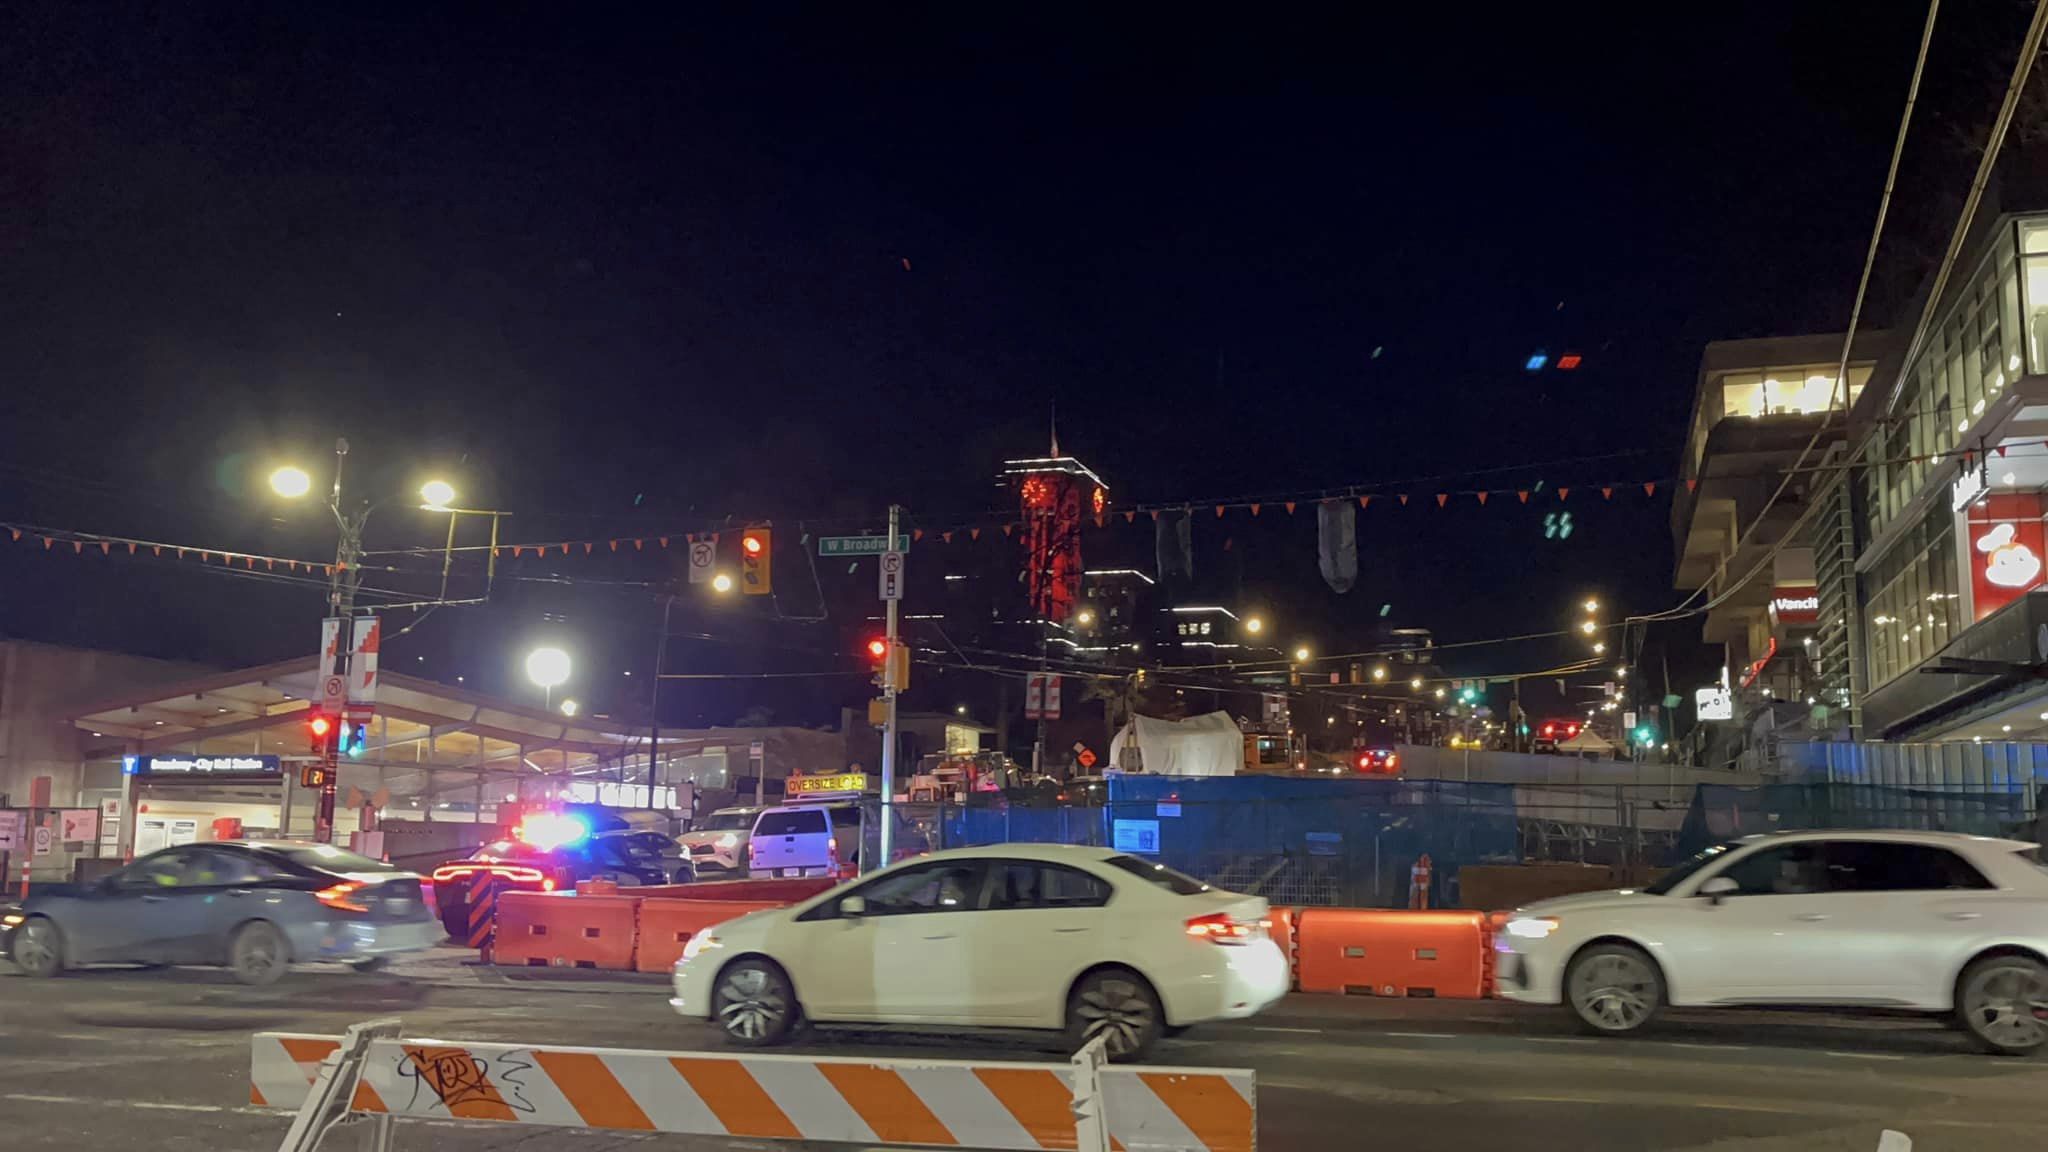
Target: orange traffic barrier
[(781, 891), (667, 925), (1495, 922), (598, 888), (565, 930), (1370, 952), (1282, 929)]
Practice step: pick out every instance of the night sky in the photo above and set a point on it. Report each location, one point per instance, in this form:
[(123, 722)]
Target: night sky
[(630, 272)]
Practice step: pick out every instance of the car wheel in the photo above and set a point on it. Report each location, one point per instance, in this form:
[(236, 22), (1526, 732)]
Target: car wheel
[(258, 954), (1613, 989), (754, 1003), (2003, 1001), (39, 948), (1118, 1004), (371, 964)]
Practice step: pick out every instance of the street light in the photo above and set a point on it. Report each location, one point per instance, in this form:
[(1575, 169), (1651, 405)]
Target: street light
[(1599, 649), (721, 583), (548, 668), (1589, 627), (1084, 618), (1254, 625), (1302, 653), (438, 494), (1416, 684), (1592, 605), (568, 707), (290, 483), (1379, 672)]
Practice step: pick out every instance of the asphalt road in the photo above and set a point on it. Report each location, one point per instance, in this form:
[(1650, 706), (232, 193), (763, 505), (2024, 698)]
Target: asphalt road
[(119, 1058)]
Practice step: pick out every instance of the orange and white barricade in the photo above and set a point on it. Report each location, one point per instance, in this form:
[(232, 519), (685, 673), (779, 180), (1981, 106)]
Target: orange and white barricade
[(908, 1102)]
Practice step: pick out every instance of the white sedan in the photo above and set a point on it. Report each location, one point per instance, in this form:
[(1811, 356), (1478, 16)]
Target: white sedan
[(1925, 921), (1012, 936)]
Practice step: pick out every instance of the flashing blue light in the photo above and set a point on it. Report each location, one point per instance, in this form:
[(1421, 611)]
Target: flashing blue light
[(1537, 362)]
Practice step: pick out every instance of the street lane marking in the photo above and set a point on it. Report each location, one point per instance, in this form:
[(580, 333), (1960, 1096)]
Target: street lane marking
[(1295, 1031), (1865, 1055), (1559, 1040), (1707, 1047), (1424, 1035), (147, 1105)]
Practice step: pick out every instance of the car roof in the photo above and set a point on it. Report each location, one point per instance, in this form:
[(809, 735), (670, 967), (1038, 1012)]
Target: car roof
[(1893, 836)]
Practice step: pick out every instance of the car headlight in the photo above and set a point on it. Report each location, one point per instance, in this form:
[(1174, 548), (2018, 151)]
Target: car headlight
[(700, 943), (1532, 927), (10, 920), (729, 840)]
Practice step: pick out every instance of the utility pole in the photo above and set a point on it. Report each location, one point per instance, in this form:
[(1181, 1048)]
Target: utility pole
[(341, 603), (888, 839)]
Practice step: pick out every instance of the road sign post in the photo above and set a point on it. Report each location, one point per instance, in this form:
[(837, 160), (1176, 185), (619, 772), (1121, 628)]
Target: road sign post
[(890, 574), (890, 583)]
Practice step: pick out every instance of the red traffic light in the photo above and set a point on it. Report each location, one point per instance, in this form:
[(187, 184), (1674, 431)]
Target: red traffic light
[(319, 725), (752, 544), (878, 648)]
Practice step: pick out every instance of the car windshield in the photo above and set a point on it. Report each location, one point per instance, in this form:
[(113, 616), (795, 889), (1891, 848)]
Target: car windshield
[(329, 859), (1159, 874), (1663, 885), (641, 845), (728, 822)]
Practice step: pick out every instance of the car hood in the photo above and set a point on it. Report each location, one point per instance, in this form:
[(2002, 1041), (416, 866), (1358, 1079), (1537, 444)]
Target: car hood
[(709, 837), (750, 925), (1589, 901)]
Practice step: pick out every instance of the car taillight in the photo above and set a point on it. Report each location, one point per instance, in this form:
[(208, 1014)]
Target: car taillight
[(1221, 928), (338, 896), (510, 873), (1393, 761)]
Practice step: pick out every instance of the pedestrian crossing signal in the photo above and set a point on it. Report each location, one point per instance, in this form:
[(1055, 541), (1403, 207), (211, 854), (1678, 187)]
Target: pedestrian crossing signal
[(312, 776)]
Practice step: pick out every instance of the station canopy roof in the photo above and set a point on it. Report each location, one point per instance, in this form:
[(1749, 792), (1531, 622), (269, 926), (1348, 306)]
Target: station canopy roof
[(419, 726)]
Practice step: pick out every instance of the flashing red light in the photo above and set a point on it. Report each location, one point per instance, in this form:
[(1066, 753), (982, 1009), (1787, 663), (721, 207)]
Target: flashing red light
[(752, 544), (878, 648), (319, 725)]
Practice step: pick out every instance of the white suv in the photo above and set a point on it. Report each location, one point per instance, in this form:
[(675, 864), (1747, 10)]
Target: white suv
[(1928, 921)]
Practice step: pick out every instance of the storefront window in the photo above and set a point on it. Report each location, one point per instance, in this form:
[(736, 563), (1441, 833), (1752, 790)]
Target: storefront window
[(1915, 602), (2034, 257), (1789, 391)]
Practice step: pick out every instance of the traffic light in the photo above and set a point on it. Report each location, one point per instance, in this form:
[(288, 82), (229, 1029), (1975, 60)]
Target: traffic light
[(1557, 525), (892, 667), (352, 740), (1645, 734), (319, 730), (754, 558)]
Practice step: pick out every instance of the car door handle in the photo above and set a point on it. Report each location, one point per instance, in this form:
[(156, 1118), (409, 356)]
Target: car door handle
[(1070, 929), (941, 936), (1964, 916), (1811, 917)]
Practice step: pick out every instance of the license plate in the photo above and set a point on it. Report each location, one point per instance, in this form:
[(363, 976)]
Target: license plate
[(399, 905), (787, 873)]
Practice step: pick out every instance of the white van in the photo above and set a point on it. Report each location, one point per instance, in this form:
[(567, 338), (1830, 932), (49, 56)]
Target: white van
[(825, 839)]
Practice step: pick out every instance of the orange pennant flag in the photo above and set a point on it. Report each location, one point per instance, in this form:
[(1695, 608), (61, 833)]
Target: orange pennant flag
[(1219, 511), (1607, 493), (946, 536), (47, 542), (1404, 499), (1522, 494), (1290, 507), (291, 565), (664, 541), (495, 553), (156, 550), (615, 545), (974, 533), (518, 549), (249, 562), (181, 553), (565, 549), (131, 547), (1481, 495), (1364, 501), (1155, 513), (330, 569), (106, 549), (1650, 489), (1692, 485), (639, 544), (204, 556), (1130, 517), (77, 547), (16, 533), (1006, 529), (588, 547), (1442, 498), (269, 564), (916, 534), (1255, 509), (1563, 492)]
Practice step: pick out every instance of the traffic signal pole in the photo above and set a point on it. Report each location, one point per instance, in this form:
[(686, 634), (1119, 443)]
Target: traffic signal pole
[(888, 839), (341, 603)]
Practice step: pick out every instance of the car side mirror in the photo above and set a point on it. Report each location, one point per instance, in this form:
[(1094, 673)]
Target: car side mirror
[(853, 907), (1719, 888)]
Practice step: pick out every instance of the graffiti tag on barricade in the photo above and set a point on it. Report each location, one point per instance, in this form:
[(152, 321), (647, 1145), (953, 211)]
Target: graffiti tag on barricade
[(471, 1087)]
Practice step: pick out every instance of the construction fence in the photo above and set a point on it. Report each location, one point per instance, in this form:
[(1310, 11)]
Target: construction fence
[(1355, 843)]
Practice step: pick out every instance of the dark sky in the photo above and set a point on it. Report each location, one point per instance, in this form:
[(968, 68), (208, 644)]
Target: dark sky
[(627, 271)]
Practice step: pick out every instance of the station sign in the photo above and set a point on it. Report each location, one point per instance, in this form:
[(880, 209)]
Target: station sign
[(204, 767)]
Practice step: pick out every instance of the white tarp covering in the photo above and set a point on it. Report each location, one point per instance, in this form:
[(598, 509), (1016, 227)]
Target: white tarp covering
[(1210, 745), (1586, 741)]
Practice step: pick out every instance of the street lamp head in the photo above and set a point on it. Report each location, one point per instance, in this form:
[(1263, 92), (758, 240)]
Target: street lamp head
[(291, 483), (1254, 625), (1416, 684), (1084, 618), (1302, 653), (547, 667), (1599, 649), (1379, 672), (1592, 605), (721, 583), (438, 494), (1589, 627), (568, 707)]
